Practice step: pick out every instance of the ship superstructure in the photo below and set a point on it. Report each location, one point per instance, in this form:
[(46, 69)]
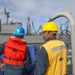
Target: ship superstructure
[(7, 28)]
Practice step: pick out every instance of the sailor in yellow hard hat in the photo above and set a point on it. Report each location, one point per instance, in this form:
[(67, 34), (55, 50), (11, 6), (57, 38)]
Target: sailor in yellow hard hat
[(52, 56)]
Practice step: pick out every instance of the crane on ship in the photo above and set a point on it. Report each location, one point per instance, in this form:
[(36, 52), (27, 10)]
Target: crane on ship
[(31, 30)]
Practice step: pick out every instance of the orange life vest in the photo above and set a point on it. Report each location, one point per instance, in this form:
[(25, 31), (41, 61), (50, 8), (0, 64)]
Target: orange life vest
[(15, 51)]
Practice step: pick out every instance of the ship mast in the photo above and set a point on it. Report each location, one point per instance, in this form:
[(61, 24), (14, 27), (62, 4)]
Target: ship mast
[(7, 15), (28, 27)]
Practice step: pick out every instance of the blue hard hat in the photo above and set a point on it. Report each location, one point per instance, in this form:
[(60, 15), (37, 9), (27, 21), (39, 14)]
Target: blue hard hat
[(19, 31)]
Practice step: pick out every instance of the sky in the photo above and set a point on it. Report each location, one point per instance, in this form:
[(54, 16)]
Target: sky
[(39, 11)]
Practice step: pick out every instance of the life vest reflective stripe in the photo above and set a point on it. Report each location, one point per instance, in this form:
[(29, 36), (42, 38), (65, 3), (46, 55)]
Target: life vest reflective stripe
[(15, 55), (57, 57), (13, 59), (13, 62), (58, 48)]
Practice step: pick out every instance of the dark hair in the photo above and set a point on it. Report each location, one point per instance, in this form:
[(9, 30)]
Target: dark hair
[(19, 36)]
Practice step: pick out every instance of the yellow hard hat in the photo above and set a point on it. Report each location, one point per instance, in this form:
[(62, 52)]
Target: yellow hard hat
[(50, 26)]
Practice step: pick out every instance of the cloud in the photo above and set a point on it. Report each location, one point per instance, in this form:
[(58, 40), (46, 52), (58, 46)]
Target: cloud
[(38, 10)]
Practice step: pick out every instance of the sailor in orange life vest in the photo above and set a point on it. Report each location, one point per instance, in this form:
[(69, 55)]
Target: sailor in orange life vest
[(52, 56), (15, 53)]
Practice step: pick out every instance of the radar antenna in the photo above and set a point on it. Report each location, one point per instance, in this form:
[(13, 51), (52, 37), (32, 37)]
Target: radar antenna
[(7, 15)]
